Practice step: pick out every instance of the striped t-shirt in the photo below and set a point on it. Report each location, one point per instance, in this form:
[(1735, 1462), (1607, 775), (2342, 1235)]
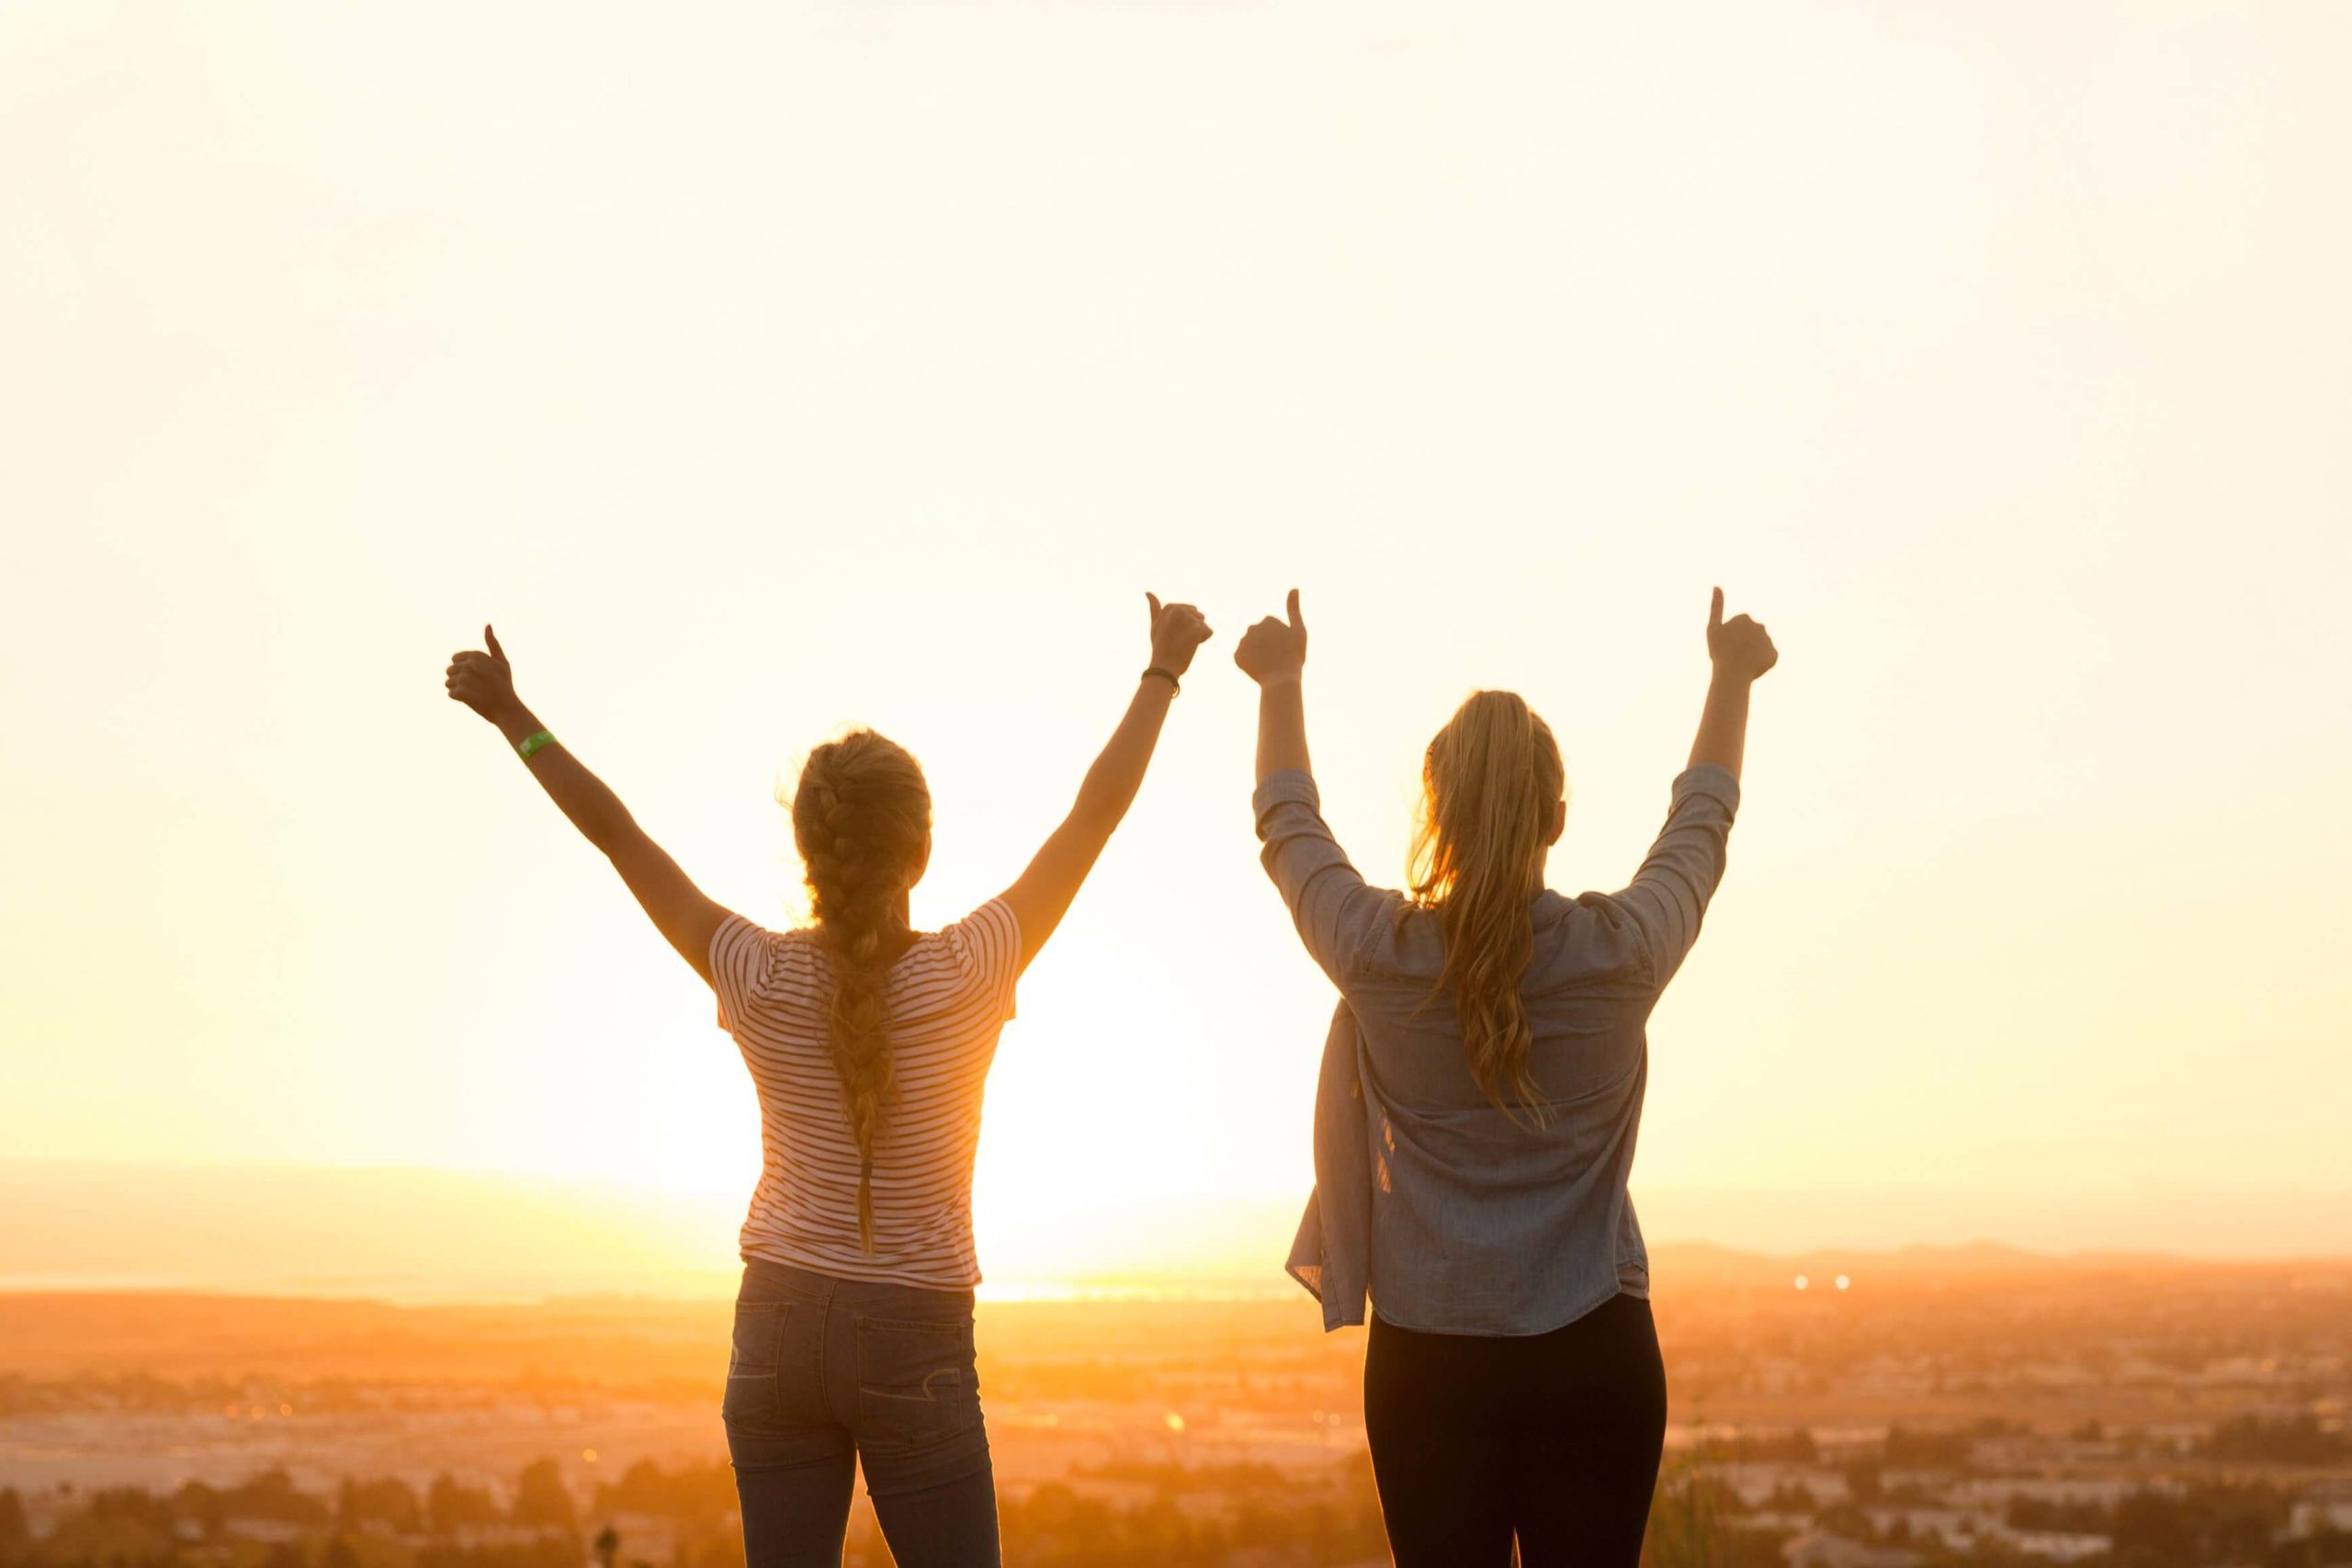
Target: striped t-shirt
[(949, 997)]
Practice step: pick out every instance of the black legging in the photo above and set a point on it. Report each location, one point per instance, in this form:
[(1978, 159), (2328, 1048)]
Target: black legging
[(1552, 1438)]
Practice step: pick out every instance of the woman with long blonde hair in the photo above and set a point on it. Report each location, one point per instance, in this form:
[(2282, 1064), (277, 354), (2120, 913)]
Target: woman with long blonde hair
[(1475, 1122), (869, 1042)]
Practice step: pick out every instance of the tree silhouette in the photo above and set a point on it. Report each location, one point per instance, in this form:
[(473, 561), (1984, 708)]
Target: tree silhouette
[(541, 1497), (16, 1532)]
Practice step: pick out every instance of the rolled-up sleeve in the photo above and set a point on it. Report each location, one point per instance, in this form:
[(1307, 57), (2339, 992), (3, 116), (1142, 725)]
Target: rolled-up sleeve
[(1336, 914), (1668, 895)]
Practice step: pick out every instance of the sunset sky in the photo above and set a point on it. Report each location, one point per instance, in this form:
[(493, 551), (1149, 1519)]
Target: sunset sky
[(763, 370)]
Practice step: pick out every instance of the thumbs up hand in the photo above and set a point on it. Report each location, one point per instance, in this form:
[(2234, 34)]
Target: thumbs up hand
[(484, 682), (1740, 648), (1176, 631), (1274, 650)]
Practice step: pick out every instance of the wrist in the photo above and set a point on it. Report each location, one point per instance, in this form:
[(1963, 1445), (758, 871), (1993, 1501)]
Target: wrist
[(1276, 678), (514, 721)]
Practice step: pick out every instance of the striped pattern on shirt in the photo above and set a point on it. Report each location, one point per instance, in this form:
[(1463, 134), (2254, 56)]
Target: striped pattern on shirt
[(950, 995)]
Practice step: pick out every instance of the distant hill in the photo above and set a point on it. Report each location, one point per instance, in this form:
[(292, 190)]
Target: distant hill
[(412, 1234), (1707, 1263)]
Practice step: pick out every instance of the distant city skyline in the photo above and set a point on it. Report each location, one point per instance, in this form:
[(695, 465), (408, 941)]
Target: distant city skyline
[(2032, 1409)]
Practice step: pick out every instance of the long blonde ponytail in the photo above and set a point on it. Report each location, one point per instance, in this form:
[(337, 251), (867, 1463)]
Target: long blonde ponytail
[(1489, 783), (861, 817)]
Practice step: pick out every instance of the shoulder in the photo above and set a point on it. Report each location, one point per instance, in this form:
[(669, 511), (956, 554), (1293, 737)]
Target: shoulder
[(740, 934), (979, 953), (755, 956), (984, 940), (751, 967), (1392, 937), (740, 946), (1591, 939)]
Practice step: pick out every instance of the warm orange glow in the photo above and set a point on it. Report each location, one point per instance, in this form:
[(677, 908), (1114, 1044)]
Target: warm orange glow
[(2009, 390)]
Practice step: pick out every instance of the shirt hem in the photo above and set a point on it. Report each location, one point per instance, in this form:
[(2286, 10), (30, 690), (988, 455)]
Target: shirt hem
[(834, 1267), (1616, 1289)]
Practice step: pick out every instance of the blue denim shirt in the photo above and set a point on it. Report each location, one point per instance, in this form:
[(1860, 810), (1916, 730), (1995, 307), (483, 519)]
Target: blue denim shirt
[(1429, 1198)]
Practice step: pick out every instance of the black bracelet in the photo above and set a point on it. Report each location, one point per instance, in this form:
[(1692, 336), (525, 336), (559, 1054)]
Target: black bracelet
[(1165, 675)]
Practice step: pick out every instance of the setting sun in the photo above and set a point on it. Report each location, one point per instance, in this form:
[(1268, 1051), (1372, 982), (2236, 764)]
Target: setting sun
[(2025, 809), (673, 804)]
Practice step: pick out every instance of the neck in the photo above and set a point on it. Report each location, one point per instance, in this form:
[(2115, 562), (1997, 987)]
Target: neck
[(901, 921)]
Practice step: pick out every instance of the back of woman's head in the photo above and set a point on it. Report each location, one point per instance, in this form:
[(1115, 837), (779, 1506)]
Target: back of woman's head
[(861, 815), (1491, 786)]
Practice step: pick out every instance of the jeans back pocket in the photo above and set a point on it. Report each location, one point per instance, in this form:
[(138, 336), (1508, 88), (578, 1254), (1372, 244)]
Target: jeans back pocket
[(917, 1380), (754, 1400)]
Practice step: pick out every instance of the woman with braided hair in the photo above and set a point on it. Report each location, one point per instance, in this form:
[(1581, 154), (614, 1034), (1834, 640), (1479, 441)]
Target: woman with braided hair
[(869, 1044)]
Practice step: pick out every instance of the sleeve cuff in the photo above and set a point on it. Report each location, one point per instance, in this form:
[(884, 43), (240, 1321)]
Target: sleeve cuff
[(1288, 787), (1707, 779)]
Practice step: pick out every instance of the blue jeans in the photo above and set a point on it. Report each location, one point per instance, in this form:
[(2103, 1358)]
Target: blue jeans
[(828, 1373)]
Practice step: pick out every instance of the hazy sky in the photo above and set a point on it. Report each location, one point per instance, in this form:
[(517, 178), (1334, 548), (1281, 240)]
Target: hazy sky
[(763, 369)]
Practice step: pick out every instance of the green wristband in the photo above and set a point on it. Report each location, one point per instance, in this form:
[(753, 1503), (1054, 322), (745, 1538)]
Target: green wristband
[(530, 744)]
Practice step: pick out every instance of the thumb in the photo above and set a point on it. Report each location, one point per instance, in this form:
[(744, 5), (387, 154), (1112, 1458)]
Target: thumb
[(1716, 610), (1153, 600), (490, 639), (1295, 623)]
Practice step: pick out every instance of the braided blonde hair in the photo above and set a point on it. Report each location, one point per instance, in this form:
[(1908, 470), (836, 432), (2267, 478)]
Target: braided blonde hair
[(860, 818), (1489, 782)]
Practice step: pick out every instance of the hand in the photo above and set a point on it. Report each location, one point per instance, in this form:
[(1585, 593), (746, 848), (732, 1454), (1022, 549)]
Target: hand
[(1273, 649), (1176, 631), (1741, 648), (484, 682)]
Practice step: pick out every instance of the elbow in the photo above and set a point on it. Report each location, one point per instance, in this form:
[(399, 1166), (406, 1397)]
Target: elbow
[(610, 833), (1101, 806), (1094, 821)]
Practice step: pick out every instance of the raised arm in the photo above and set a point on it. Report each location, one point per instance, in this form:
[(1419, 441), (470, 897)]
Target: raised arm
[(1043, 894), (484, 681), (1741, 652), (1668, 896), (1273, 654), (1338, 915)]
